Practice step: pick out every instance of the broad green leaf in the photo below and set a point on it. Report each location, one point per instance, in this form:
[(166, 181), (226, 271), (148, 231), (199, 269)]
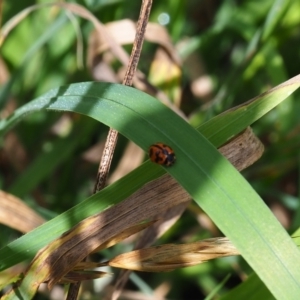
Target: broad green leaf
[(209, 178)]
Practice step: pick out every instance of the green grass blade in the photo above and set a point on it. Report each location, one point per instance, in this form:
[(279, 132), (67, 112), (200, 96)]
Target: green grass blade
[(251, 289), (226, 125), (209, 178)]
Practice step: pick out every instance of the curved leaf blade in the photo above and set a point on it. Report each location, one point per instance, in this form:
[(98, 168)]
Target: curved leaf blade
[(215, 184)]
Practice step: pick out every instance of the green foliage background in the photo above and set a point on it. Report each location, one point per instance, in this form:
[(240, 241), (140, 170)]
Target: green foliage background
[(244, 47)]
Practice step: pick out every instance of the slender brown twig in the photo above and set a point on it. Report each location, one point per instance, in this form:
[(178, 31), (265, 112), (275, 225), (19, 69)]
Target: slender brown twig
[(112, 136)]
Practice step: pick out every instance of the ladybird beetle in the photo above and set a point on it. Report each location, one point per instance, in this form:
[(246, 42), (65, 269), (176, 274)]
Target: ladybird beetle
[(162, 154)]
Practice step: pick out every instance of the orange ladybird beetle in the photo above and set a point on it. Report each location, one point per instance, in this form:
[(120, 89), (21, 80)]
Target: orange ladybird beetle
[(162, 154)]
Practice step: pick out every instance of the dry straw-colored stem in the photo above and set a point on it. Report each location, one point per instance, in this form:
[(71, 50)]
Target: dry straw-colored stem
[(112, 136)]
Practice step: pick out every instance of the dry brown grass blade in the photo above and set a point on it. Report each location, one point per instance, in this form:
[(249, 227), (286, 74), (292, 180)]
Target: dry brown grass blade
[(171, 256), (123, 32), (120, 236), (78, 276), (60, 257), (89, 234), (16, 214)]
